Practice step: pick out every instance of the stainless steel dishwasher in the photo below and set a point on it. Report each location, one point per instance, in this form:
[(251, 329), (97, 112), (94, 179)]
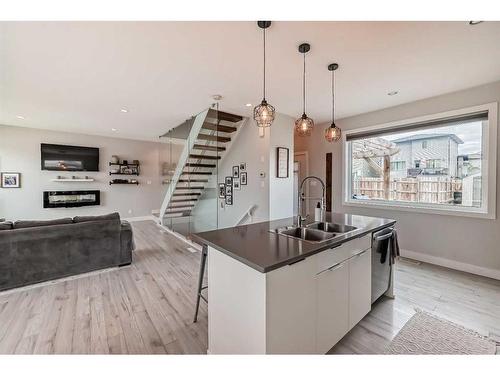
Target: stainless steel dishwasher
[(381, 262)]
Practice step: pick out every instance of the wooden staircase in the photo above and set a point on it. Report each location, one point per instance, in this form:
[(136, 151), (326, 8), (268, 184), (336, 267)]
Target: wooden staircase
[(201, 160)]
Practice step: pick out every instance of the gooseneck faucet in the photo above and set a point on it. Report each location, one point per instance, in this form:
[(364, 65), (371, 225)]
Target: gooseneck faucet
[(301, 197)]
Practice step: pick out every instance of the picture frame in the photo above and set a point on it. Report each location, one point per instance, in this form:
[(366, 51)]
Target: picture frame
[(243, 167), (229, 181), (236, 184), (222, 190), (229, 200), (282, 162), (10, 180), (236, 171), (243, 178), (229, 190)]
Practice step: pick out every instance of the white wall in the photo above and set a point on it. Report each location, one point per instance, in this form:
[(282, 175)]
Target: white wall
[(20, 152), (281, 189), (273, 196), (459, 242)]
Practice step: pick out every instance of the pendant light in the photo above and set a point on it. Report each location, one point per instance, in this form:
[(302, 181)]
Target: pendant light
[(263, 114), (333, 132), (304, 125)]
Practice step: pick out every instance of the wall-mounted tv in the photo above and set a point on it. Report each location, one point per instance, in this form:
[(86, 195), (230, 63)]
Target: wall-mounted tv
[(69, 158)]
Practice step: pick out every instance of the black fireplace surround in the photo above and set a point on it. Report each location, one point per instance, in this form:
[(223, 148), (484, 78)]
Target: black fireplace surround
[(74, 198)]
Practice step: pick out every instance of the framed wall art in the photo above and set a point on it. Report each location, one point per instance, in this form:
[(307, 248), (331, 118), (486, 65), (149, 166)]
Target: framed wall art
[(11, 180), (282, 162), (243, 178), (236, 171)]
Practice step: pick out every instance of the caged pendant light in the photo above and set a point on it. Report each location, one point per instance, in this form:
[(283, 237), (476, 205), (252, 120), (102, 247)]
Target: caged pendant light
[(304, 125), (263, 114), (333, 132)]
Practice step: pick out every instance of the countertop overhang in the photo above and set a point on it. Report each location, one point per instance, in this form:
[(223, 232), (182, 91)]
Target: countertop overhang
[(258, 247)]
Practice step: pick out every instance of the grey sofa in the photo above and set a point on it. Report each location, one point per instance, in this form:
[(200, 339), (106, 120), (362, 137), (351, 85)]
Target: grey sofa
[(36, 251)]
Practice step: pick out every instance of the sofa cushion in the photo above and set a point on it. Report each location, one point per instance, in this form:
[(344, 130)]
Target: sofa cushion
[(82, 219), (41, 223), (5, 225)]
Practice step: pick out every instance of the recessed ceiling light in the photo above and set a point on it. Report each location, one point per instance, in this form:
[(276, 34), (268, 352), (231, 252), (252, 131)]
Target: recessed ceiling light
[(20, 117), (113, 129), (392, 93), (124, 110), (473, 23), (248, 105)]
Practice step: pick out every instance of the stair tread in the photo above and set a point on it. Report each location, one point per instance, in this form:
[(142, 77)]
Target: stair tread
[(177, 212), (189, 187), (209, 148), (225, 116), (179, 207), (185, 194), (184, 200), (209, 157), (215, 138), (198, 173), (200, 165), (219, 128), (190, 180)]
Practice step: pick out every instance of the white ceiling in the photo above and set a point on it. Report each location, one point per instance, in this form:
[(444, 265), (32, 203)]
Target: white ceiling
[(76, 76)]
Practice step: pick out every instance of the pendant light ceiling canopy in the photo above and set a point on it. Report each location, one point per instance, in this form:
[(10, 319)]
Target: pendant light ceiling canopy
[(333, 132), (263, 114), (304, 125)]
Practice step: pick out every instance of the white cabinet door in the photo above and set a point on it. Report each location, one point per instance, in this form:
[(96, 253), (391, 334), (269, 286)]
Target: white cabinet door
[(333, 306), (291, 309), (360, 280)]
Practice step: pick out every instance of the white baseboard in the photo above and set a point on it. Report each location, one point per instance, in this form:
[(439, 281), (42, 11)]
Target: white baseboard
[(140, 218), (453, 264)]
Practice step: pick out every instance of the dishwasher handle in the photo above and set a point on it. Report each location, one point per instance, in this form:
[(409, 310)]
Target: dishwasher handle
[(382, 236)]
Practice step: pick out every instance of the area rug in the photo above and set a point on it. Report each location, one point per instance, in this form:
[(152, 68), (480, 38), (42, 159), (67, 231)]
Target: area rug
[(425, 333)]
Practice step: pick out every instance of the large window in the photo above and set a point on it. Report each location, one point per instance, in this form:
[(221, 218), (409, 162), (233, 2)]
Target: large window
[(442, 163)]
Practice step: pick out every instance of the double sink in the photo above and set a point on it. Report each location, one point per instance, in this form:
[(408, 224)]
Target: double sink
[(315, 232)]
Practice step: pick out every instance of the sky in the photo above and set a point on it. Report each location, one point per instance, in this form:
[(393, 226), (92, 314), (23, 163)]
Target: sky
[(470, 133)]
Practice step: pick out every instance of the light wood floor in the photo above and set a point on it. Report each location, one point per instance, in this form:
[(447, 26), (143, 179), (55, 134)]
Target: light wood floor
[(148, 307)]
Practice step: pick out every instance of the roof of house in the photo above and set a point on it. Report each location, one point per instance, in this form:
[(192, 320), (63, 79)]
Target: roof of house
[(418, 137)]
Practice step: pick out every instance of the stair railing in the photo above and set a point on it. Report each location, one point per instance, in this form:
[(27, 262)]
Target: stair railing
[(188, 147), (247, 215)]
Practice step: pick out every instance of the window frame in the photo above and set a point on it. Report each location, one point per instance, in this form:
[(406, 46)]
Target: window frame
[(489, 167)]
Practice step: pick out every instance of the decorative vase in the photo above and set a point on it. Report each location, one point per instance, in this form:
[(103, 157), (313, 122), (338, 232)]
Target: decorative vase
[(115, 159)]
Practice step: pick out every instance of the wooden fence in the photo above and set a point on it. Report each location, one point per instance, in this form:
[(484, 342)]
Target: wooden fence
[(411, 189)]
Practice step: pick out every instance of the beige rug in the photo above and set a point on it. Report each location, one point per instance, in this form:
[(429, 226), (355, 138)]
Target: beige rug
[(425, 333)]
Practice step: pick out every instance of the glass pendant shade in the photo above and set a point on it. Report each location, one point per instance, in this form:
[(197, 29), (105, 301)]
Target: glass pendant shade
[(263, 114), (333, 133), (304, 126)]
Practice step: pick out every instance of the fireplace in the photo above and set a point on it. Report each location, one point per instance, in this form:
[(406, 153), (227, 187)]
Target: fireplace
[(74, 198)]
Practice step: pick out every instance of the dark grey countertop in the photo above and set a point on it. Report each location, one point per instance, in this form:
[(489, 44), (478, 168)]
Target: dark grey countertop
[(256, 246)]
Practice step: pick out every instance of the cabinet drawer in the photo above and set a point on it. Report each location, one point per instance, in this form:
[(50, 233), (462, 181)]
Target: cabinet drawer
[(330, 257)]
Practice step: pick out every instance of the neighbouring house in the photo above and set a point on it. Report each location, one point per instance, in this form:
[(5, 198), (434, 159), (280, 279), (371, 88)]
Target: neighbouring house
[(426, 154), (468, 165)]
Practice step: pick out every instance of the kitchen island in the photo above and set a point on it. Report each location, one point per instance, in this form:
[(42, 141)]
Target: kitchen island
[(273, 293)]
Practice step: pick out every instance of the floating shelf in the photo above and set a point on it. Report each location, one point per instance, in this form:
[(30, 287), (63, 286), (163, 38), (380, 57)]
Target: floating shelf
[(72, 180), (123, 183), (125, 165), (124, 174)]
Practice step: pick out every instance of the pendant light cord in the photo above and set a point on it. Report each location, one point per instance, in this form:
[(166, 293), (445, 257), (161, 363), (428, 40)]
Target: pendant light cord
[(304, 86), (264, 93), (333, 96)]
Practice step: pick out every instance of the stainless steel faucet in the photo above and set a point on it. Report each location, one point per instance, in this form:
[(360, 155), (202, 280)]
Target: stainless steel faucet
[(301, 197)]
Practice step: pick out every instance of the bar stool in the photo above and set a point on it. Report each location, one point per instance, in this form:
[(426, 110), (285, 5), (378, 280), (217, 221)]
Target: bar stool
[(203, 261)]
